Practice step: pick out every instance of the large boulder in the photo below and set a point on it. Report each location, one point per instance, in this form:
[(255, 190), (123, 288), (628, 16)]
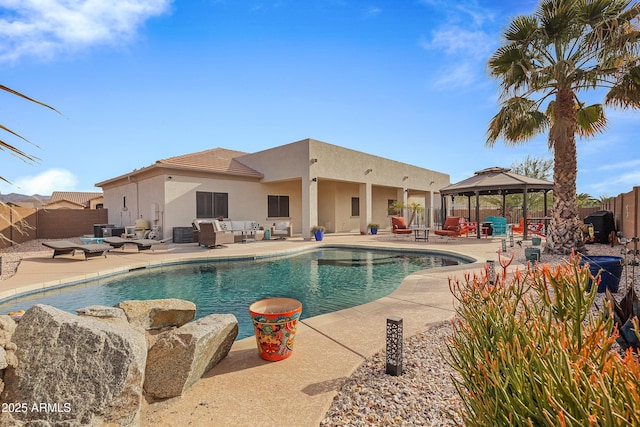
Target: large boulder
[(76, 370), (158, 313), (181, 356), (105, 313)]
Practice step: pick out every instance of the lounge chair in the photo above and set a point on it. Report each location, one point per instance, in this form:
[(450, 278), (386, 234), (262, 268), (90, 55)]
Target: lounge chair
[(210, 237), (399, 227), (141, 244), (453, 226), (63, 247)]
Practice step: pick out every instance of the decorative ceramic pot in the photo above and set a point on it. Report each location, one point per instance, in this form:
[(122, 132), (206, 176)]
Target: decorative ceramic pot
[(275, 321), (318, 234), (374, 231)]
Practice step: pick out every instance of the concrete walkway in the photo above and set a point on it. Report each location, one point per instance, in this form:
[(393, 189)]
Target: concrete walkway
[(246, 390)]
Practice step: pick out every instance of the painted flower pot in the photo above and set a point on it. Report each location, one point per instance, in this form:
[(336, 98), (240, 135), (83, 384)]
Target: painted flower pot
[(374, 231), (319, 234), (275, 321)]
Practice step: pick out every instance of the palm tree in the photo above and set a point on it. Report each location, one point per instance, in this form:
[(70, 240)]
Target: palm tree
[(5, 145), (565, 48)]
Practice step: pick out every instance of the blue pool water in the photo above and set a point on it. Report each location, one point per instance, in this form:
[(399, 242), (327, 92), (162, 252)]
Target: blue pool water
[(324, 281)]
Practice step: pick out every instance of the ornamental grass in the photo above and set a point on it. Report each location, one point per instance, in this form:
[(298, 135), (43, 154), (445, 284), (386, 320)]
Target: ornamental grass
[(530, 351)]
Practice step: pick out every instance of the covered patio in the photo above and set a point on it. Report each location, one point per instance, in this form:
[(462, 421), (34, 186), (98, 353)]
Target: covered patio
[(496, 181)]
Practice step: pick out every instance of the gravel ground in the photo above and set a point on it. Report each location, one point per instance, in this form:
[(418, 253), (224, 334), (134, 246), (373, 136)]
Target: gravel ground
[(424, 395)]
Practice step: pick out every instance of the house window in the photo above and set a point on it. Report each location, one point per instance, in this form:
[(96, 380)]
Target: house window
[(355, 206), (278, 206), (212, 205), (393, 210)]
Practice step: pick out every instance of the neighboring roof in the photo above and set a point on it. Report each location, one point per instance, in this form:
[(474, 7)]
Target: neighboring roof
[(218, 160), (496, 180), (77, 197)]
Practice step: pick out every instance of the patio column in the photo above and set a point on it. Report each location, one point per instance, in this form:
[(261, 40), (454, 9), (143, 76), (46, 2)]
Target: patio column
[(365, 205), (309, 206)]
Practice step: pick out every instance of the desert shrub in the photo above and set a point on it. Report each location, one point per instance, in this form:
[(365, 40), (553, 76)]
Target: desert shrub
[(529, 352)]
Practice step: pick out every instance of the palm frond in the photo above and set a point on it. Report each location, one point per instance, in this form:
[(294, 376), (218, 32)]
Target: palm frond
[(626, 92), (517, 121), (6, 146), (590, 120), (14, 92)]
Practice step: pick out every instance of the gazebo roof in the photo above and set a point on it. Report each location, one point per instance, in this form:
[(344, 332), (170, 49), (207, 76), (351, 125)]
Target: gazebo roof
[(496, 180)]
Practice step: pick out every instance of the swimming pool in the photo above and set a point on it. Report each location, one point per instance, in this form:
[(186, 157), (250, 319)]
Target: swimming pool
[(324, 280)]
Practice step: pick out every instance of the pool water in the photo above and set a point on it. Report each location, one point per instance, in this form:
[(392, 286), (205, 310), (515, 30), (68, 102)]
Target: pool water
[(324, 281)]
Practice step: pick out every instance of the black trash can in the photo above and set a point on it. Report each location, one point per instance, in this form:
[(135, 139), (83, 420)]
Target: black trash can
[(603, 224), (97, 229)]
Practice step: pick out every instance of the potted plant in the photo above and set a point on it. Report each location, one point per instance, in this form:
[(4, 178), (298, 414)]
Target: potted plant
[(373, 227), (318, 232)]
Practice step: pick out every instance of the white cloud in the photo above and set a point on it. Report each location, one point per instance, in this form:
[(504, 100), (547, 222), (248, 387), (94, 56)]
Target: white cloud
[(458, 41), (373, 11), (45, 28), (43, 184), (466, 40)]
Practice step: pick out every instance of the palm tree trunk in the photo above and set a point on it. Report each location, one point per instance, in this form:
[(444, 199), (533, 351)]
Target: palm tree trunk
[(564, 233)]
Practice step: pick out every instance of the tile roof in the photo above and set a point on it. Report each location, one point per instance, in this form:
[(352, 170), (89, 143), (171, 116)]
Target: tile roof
[(78, 197), (219, 160)]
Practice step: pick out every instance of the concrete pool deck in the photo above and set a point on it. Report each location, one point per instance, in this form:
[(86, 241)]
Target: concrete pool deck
[(246, 390)]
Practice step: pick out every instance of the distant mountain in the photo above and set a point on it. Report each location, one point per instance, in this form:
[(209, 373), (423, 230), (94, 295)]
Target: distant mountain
[(21, 198)]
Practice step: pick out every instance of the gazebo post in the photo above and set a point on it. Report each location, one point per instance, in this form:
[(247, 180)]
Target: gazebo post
[(504, 204), (524, 213), (478, 226), (469, 206)]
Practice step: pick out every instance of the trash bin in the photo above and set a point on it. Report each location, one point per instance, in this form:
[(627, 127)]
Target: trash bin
[(612, 271), (267, 234), (603, 224), (275, 321), (97, 229)]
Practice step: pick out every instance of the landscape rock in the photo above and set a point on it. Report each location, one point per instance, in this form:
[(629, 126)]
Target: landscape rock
[(105, 313), (76, 370), (7, 327), (3, 358), (181, 356), (158, 313)]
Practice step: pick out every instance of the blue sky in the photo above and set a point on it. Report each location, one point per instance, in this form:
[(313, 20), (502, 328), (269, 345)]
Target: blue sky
[(140, 80)]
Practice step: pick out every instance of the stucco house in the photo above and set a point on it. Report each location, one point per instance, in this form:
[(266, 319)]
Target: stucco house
[(75, 200), (307, 182)]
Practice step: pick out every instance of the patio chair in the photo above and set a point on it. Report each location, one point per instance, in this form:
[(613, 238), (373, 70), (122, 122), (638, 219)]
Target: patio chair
[(140, 244), (399, 227), (63, 247), (280, 230), (518, 228), (498, 224), (211, 238), (454, 226)]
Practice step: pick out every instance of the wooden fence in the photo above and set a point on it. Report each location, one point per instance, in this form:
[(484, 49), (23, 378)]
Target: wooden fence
[(18, 225)]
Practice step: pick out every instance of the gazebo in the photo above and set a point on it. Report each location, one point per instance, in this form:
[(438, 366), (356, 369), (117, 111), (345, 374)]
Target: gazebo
[(497, 181)]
